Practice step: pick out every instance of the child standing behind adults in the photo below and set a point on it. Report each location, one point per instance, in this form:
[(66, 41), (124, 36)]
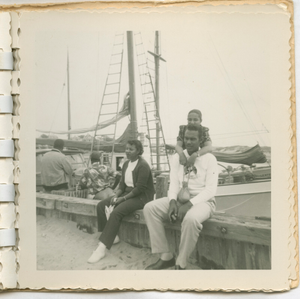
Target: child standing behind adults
[(194, 117)]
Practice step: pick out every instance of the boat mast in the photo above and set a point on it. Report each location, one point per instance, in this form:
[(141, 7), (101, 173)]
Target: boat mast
[(156, 59), (130, 52), (69, 103)]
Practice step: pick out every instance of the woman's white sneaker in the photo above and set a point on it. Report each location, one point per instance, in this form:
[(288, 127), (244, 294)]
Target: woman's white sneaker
[(97, 255), (116, 240)]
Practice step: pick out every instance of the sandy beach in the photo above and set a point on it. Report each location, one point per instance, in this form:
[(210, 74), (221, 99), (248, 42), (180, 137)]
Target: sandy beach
[(62, 246)]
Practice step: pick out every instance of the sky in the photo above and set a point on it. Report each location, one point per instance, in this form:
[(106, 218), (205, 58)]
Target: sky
[(222, 70)]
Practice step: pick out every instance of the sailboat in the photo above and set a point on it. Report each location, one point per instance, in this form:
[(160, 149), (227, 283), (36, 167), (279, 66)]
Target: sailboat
[(109, 112), (249, 198), (234, 191)]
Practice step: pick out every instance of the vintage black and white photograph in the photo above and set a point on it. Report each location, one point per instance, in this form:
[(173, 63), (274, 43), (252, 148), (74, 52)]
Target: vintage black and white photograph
[(153, 148)]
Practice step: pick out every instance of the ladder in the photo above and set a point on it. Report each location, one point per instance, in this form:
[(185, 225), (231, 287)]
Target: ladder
[(151, 118), (109, 107)]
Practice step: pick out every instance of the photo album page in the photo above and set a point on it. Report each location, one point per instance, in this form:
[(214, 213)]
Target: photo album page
[(154, 137)]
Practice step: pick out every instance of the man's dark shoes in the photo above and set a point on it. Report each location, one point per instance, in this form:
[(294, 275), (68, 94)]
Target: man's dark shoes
[(177, 267), (160, 265)]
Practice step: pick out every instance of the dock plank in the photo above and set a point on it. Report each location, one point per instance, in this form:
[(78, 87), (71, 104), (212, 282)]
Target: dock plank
[(226, 242), (76, 205)]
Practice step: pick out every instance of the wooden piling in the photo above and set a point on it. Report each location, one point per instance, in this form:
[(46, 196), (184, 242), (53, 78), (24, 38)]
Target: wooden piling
[(162, 185)]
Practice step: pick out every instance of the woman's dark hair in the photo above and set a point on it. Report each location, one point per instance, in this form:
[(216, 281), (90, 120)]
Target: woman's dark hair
[(193, 127), (138, 145), (198, 112)]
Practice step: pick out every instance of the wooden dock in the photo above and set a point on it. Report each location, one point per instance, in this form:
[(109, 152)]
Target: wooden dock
[(226, 242)]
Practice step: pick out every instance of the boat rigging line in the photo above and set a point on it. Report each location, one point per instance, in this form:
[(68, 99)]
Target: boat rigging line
[(150, 94), (244, 132), (112, 87), (254, 102), (237, 205), (227, 78)]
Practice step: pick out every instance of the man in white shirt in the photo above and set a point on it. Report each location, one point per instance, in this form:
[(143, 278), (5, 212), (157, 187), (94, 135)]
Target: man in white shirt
[(202, 184)]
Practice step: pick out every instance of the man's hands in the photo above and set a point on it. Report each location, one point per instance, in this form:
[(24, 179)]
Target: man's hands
[(177, 213), (183, 209), (173, 210)]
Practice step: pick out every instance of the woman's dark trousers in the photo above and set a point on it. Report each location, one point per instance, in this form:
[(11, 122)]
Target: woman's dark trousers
[(111, 227)]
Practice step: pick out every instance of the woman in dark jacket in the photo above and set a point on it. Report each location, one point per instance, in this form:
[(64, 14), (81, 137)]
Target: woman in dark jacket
[(135, 190)]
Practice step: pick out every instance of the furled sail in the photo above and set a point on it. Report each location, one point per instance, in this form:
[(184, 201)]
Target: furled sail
[(119, 144), (123, 112), (253, 155)]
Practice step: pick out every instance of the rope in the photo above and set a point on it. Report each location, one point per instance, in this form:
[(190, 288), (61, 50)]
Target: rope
[(242, 135), (230, 85), (254, 102), (241, 132), (236, 205)]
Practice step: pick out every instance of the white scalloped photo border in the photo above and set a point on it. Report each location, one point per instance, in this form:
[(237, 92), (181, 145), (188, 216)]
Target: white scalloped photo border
[(9, 125)]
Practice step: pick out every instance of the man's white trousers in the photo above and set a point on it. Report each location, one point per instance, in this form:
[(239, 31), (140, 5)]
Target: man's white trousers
[(156, 213)]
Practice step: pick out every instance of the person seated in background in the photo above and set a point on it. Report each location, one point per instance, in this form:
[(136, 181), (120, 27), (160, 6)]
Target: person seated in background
[(201, 181), (56, 168), (100, 180), (194, 118), (135, 190)]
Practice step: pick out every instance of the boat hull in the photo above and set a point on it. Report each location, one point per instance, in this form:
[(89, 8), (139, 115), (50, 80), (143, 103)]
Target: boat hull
[(250, 199)]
